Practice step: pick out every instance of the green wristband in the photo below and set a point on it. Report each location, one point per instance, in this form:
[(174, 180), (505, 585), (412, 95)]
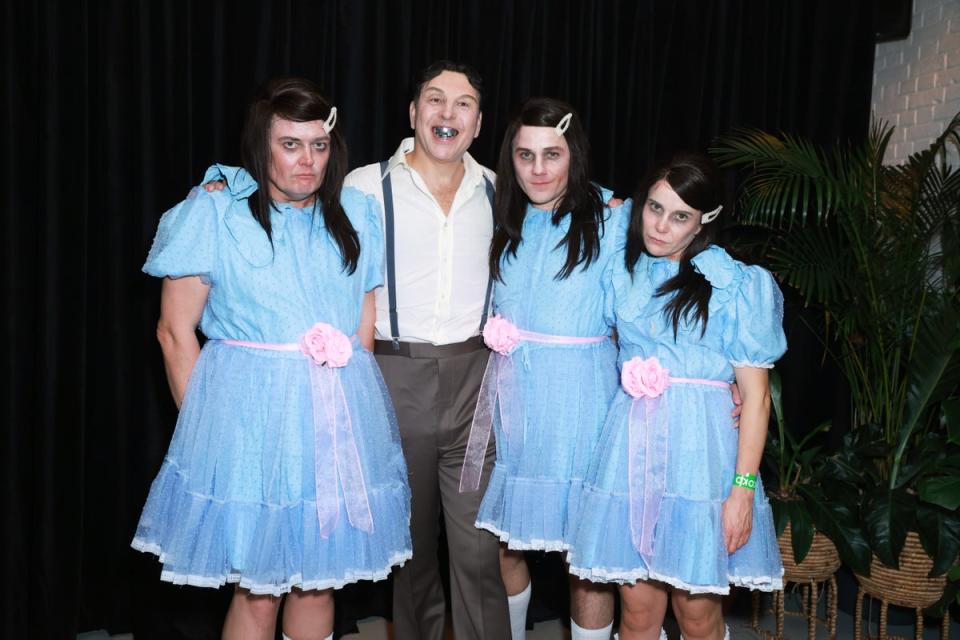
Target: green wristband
[(745, 480)]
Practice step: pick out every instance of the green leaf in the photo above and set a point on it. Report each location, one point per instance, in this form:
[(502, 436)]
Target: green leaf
[(839, 523), (886, 515), (840, 469), (954, 573), (776, 396), (937, 341), (801, 530), (941, 608), (941, 490), (818, 263), (939, 536), (951, 415), (781, 515)]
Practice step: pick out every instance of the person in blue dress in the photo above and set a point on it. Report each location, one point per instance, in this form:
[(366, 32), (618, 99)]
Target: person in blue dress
[(553, 371), (672, 506), (284, 474)]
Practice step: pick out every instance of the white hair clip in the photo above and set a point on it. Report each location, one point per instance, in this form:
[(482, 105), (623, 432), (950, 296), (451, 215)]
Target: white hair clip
[(564, 124), (710, 216), (331, 120)]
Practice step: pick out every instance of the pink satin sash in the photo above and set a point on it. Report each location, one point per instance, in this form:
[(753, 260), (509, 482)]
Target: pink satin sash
[(335, 446), (647, 437), (499, 388)]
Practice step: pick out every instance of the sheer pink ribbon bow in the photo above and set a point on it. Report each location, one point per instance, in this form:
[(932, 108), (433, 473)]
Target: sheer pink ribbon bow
[(335, 447), (499, 390), (645, 380)]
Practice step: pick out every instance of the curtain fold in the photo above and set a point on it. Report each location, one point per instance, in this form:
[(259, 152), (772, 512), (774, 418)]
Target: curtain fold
[(113, 109)]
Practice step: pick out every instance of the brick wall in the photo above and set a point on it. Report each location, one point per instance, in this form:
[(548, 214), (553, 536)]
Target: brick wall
[(916, 82)]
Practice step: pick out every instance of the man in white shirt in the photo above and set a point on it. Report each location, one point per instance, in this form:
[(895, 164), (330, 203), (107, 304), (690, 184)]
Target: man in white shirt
[(438, 219)]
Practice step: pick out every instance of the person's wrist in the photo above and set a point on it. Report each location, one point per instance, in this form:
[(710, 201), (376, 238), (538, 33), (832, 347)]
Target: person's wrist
[(745, 481)]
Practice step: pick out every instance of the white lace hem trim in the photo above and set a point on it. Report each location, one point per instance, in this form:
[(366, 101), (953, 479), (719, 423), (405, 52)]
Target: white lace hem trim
[(260, 588), (755, 365), (513, 542), (754, 583)]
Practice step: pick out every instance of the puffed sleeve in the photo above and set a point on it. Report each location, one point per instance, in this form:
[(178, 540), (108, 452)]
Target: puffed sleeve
[(372, 246), (754, 337), (238, 181), (614, 241), (186, 240), (367, 219)]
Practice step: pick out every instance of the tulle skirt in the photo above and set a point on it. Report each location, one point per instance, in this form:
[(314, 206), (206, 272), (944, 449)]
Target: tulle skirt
[(542, 458), (688, 550), (236, 499)]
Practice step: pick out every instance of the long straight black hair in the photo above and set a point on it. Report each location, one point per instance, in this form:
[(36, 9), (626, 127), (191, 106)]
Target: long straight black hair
[(696, 179), (582, 198), (298, 100)]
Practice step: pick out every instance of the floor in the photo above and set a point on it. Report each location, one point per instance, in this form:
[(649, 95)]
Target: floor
[(795, 627)]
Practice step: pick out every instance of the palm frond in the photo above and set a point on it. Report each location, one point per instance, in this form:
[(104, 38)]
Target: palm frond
[(789, 180), (814, 261)]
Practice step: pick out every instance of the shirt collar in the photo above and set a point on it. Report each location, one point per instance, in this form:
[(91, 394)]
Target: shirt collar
[(472, 171)]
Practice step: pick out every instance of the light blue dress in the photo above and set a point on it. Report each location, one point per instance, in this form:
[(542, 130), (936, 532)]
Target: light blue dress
[(235, 498), (564, 389), (744, 330)]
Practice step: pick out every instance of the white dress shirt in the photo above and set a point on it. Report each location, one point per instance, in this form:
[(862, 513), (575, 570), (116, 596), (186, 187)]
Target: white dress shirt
[(441, 260)]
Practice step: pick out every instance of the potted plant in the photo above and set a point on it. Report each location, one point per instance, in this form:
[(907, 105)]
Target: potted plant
[(806, 514), (807, 517), (876, 248)]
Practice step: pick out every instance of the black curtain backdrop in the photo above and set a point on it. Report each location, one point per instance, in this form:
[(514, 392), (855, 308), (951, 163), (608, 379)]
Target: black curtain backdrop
[(111, 111)]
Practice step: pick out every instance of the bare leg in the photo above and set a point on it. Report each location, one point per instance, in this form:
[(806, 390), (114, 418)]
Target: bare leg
[(308, 615), (591, 603), (516, 579), (513, 569), (643, 606), (700, 616), (251, 617)]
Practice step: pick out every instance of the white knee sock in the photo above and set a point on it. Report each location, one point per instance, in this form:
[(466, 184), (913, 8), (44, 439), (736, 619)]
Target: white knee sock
[(518, 613), (579, 633), (286, 637)]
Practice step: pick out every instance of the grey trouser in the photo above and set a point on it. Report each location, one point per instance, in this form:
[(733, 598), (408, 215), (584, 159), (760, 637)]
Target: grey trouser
[(434, 391)]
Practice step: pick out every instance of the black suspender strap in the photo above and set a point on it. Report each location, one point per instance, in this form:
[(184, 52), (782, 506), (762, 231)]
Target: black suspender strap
[(388, 215), (391, 254), (486, 300)]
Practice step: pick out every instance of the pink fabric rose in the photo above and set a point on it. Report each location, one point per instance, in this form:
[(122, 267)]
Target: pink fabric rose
[(641, 377), (325, 344), (501, 335)]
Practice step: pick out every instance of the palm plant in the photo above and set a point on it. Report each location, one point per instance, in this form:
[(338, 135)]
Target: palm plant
[(876, 248)]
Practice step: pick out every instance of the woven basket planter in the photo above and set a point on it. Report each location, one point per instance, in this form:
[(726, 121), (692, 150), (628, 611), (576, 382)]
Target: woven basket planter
[(815, 571), (821, 562), (907, 586)]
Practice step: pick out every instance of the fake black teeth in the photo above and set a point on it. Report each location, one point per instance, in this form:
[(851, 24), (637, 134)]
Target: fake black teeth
[(445, 132)]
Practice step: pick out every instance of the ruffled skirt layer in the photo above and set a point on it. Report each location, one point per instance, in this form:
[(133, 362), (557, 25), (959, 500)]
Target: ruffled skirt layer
[(236, 499), (543, 454), (688, 550)]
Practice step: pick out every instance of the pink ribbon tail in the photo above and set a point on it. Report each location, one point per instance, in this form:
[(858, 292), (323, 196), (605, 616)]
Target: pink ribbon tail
[(336, 455), (481, 427), (498, 390), (647, 469)]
